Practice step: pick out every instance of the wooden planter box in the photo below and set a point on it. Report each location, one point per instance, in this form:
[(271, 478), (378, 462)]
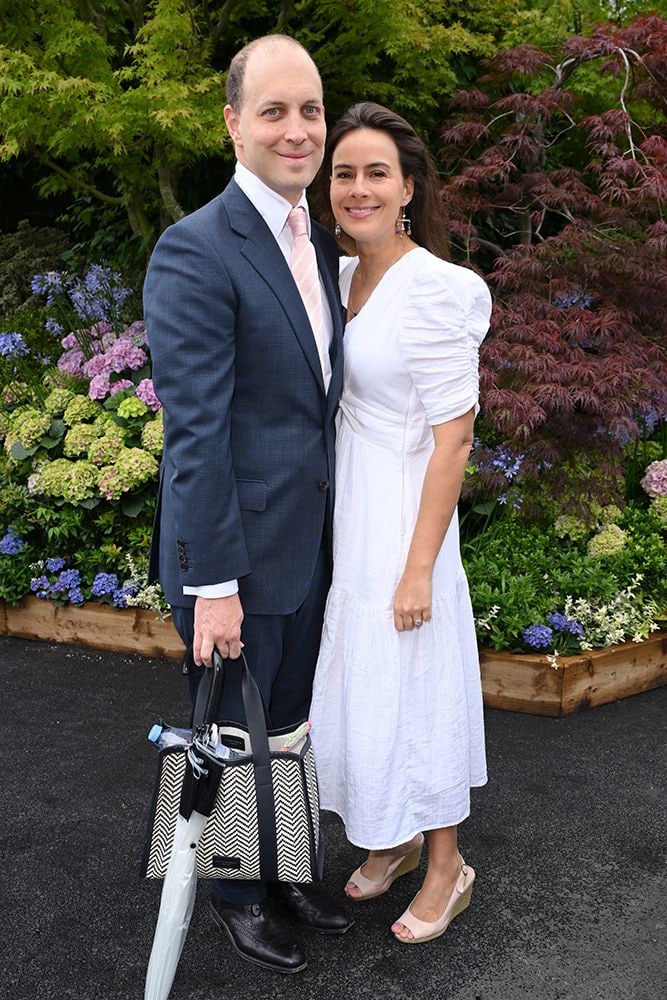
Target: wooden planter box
[(518, 682), (98, 625), (524, 682)]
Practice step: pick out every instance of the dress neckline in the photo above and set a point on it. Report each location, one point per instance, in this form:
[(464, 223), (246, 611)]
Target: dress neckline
[(380, 282)]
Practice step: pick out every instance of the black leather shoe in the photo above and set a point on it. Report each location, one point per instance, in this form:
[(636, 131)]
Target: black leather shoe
[(311, 906), (258, 933)]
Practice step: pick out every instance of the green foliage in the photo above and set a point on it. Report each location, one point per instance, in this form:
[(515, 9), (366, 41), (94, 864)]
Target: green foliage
[(525, 571), (22, 254), (122, 102), (15, 576)]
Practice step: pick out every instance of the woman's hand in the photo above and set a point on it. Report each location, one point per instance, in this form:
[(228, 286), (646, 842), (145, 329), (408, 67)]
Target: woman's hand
[(412, 601)]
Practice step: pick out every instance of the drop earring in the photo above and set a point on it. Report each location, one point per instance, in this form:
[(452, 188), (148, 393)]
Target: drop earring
[(403, 226), (337, 231)]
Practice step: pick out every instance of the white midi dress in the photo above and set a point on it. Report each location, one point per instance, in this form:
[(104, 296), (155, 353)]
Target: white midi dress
[(397, 716)]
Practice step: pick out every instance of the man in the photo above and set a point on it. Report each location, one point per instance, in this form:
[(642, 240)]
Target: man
[(245, 329)]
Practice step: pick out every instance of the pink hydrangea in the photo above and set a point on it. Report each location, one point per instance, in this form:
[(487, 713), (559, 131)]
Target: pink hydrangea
[(99, 387), (97, 365), (123, 354), (655, 479), (146, 393), (72, 362), (122, 383)]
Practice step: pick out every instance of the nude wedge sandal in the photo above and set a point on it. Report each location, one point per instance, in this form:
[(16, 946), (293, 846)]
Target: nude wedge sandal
[(423, 930), (399, 866)]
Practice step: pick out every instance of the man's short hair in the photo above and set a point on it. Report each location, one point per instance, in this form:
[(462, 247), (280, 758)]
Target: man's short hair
[(237, 67)]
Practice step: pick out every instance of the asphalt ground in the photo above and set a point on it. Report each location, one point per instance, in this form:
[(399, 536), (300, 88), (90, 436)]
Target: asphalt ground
[(567, 840)]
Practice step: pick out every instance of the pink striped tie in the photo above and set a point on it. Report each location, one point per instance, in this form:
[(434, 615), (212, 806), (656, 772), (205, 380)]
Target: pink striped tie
[(303, 264)]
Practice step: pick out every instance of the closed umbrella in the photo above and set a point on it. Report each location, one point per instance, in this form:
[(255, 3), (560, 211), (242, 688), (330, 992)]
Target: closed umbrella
[(200, 784)]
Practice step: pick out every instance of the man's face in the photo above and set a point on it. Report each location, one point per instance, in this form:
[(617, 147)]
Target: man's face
[(279, 132)]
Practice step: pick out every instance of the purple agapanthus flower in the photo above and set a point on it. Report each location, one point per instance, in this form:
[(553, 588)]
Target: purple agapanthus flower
[(538, 636), (12, 345)]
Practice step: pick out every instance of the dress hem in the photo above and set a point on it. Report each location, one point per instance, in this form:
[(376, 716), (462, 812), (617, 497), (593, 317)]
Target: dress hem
[(403, 839)]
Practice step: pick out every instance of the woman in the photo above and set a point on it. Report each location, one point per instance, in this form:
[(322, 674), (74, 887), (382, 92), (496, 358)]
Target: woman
[(397, 708)]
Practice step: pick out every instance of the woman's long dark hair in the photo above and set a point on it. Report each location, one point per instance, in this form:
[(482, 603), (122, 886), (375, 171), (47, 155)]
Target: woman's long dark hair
[(426, 211)]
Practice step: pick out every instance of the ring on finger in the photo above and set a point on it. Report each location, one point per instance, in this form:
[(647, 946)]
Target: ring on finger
[(417, 622)]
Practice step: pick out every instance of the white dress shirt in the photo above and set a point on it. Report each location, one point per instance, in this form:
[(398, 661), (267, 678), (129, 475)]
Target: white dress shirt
[(274, 210)]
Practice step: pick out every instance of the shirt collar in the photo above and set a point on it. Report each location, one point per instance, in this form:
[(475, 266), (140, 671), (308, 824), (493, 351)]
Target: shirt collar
[(273, 208)]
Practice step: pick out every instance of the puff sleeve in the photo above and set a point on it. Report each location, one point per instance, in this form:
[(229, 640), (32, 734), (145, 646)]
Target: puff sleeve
[(445, 319)]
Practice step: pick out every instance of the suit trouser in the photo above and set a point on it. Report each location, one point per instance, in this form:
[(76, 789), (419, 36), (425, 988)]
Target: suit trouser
[(281, 651)]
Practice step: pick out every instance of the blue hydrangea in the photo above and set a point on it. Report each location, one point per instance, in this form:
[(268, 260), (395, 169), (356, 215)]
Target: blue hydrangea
[(11, 544), (68, 579), (55, 565), (562, 623), (538, 636), (75, 595), (104, 585), (40, 586)]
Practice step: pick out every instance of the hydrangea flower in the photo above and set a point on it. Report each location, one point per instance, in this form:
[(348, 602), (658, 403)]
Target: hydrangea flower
[(72, 362), (29, 426), (99, 386), (152, 435), (74, 481), (659, 505), (57, 401), (16, 392), (124, 354), (104, 450), (132, 407), (104, 584), (79, 439), (80, 408), (561, 623), (122, 383), (11, 544), (607, 542), (538, 636), (132, 468), (12, 345), (55, 565), (146, 393), (569, 526), (40, 587), (655, 479)]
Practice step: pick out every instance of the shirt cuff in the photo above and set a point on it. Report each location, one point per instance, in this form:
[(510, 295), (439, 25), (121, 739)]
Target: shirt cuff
[(226, 589)]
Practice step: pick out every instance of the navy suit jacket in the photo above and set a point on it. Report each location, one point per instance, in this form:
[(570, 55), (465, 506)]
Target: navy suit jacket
[(246, 486)]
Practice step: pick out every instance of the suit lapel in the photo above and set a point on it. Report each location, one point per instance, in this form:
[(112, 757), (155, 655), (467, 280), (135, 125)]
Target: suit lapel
[(261, 250)]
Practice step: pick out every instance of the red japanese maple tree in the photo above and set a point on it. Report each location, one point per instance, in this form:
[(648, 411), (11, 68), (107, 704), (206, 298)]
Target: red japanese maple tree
[(563, 211)]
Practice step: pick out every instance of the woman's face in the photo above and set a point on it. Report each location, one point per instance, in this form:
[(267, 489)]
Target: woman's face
[(368, 190)]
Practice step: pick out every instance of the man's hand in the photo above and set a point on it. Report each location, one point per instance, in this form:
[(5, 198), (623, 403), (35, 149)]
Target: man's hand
[(217, 623)]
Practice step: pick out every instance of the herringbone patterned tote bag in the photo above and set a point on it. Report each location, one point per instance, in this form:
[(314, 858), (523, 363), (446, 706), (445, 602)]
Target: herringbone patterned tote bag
[(265, 820)]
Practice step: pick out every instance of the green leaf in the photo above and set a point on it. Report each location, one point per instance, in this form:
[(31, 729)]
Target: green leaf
[(20, 453), (132, 505)]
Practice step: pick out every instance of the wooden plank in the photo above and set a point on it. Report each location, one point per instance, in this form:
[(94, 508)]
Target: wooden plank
[(528, 683), (97, 625), (521, 683), (616, 672)]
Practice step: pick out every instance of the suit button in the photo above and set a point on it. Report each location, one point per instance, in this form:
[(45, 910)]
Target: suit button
[(323, 485)]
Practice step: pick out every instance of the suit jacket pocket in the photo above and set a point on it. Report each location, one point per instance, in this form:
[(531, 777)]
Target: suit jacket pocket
[(251, 493)]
